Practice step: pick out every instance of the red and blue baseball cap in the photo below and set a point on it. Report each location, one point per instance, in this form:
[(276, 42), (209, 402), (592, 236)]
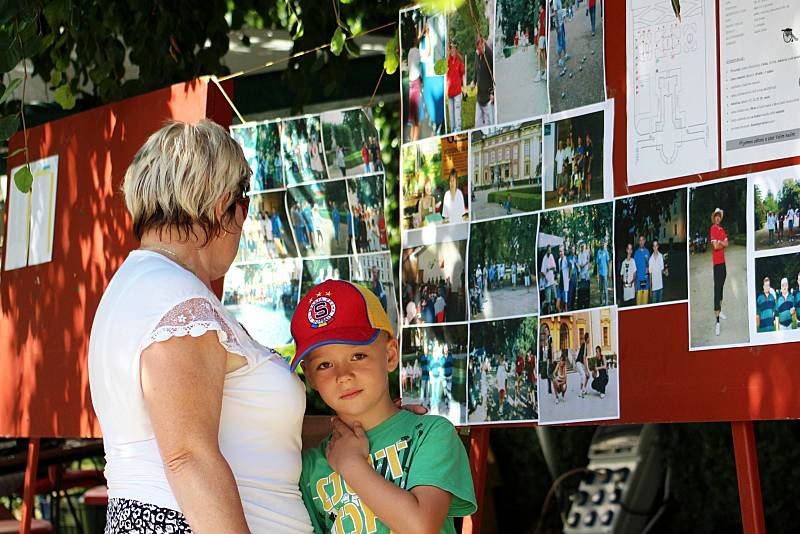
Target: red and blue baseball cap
[(337, 312)]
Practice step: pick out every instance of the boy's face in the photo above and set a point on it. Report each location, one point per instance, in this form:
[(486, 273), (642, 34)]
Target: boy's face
[(353, 379)]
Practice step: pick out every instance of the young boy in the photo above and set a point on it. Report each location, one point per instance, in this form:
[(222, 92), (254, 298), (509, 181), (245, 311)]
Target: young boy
[(382, 468)]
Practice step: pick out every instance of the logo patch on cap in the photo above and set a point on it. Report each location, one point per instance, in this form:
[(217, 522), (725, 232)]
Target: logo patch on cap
[(321, 311)]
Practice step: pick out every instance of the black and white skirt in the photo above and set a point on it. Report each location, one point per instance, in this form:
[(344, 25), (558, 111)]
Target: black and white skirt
[(126, 516)]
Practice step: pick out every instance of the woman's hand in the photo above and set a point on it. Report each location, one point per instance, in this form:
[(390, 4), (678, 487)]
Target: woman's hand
[(347, 445)]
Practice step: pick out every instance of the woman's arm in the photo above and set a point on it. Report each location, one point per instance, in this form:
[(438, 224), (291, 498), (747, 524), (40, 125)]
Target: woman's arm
[(182, 381)]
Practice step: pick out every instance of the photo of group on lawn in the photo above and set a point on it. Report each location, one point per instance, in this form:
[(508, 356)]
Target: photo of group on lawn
[(367, 224), (718, 264), (776, 199), (261, 144), (502, 371), (434, 182), (422, 45), (352, 146), (502, 278), (777, 295), (650, 246), (265, 231), (303, 154), (576, 263), (574, 167), (433, 370), (521, 59), (506, 170), (578, 367), (319, 214), (469, 79), (263, 297), (576, 63), (433, 283), (374, 271)]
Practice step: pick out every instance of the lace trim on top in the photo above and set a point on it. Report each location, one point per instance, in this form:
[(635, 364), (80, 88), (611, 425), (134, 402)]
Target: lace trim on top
[(194, 317)]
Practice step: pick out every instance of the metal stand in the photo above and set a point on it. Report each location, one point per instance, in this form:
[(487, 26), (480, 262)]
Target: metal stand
[(750, 501)]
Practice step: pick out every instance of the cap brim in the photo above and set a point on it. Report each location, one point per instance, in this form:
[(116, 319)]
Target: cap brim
[(336, 336)]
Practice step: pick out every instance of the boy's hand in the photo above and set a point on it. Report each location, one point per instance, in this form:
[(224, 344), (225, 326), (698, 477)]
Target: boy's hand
[(347, 446)]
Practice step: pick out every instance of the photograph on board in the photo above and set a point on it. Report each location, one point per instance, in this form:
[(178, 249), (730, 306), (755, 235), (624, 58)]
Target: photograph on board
[(502, 371), (263, 297), (776, 298), (502, 263), (650, 247), (718, 264), (303, 155), (433, 282), (433, 370), (374, 271), (576, 63), (423, 44), (575, 168), (578, 367), (470, 78), (351, 143), (506, 170), (316, 271), (265, 232), (434, 182), (576, 262), (268, 170), (776, 205), (367, 223), (521, 59), (318, 214)]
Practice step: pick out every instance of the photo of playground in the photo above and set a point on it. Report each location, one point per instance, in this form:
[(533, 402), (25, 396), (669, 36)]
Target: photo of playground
[(265, 231), (776, 296), (434, 182), (718, 288), (318, 214), (650, 248), (374, 271), (422, 46), (575, 259), (521, 59), (576, 63), (366, 199), (433, 370), (776, 198), (261, 145), (351, 143), (502, 277), (573, 152), (502, 371), (471, 20), (506, 170), (317, 271), (301, 142), (263, 297), (578, 367), (433, 283)]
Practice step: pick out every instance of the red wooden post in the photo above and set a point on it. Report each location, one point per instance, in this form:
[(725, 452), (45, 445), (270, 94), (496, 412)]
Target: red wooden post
[(744, 447), (30, 486), (478, 454)]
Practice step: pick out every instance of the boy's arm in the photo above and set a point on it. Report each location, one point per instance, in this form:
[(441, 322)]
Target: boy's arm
[(422, 509)]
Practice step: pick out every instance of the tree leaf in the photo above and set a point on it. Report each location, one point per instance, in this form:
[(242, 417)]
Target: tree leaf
[(10, 89), (63, 95), (8, 125), (391, 61), (23, 179), (440, 67), (432, 7), (337, 42)]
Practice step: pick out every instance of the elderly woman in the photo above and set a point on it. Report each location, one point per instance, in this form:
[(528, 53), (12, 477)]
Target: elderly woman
[(201, 424)]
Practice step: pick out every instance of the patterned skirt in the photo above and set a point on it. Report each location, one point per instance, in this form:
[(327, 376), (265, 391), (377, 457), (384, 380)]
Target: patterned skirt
[(126, 516)]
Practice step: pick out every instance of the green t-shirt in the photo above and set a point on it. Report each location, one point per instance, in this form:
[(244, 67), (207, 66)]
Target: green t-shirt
[(408, 450)]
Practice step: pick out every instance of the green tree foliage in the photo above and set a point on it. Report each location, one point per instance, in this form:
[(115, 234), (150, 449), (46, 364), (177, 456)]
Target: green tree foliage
[(645, 214), (729, 196), (503, 241), (590, 224), (506, 337), (463, 31), (517, 14), (760, 209)]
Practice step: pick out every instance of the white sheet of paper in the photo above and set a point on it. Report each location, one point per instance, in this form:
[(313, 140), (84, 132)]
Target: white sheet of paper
[(759, 71), (671, 89), (18, 220)]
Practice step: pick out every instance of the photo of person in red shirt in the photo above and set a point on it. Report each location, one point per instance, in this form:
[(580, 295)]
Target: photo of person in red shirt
[(719, 242), (455, 85)]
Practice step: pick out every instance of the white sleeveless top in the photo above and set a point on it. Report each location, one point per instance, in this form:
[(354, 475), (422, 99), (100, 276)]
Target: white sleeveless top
[(151, 299)]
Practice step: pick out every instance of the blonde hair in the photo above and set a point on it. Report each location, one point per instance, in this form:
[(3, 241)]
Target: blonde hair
[(178, 176)]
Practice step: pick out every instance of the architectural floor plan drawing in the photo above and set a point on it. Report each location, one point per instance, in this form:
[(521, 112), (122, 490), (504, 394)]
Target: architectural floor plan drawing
[(671, 90)]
